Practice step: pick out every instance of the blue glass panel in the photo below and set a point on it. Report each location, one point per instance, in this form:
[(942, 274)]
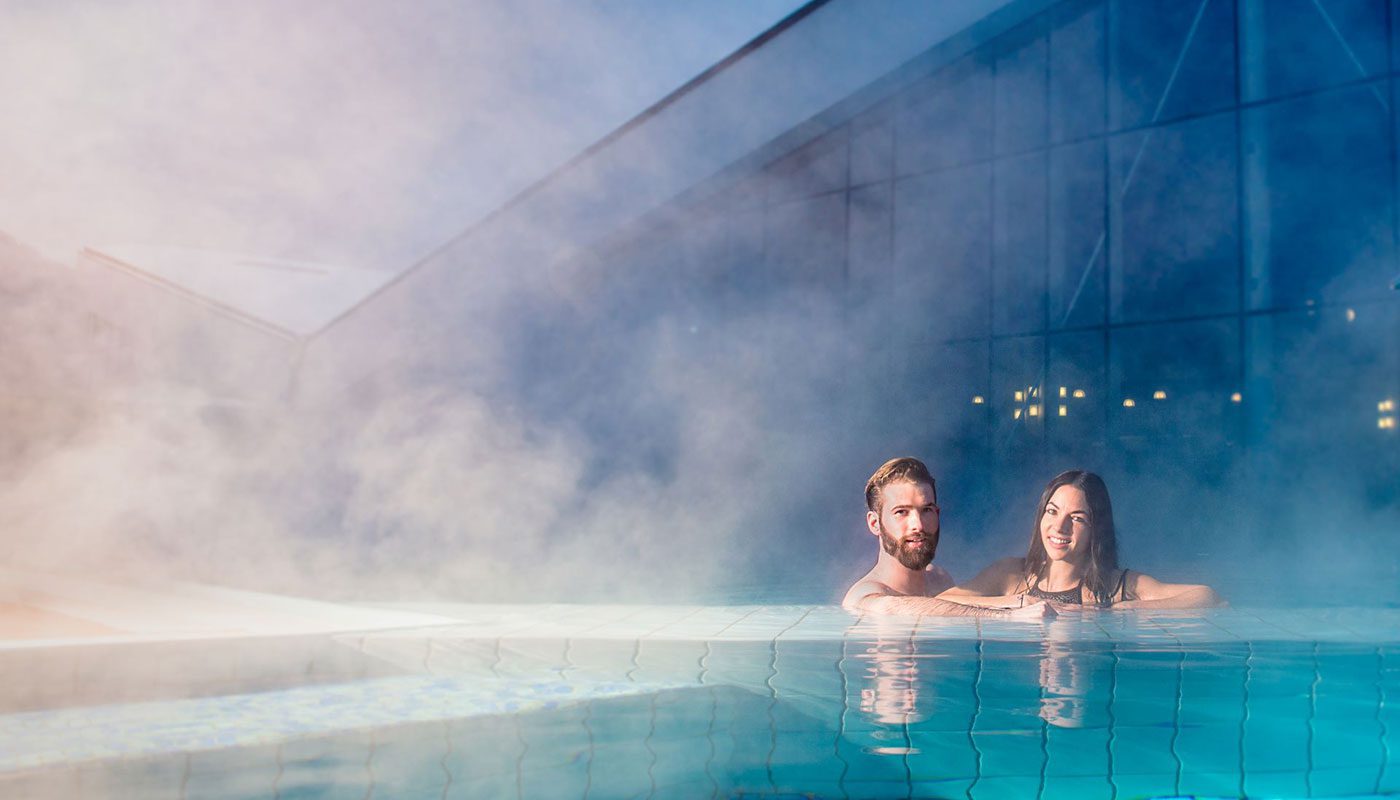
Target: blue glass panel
[(1175, 443), (1078, 239), (1075, 394), (1077, 64), (1019, 245), (1176, 248), (1170, 60), (747, 280), (817, 167), (953, 377), (1320, 384), (1320, 204), (1290, 46), (942, 248), (1018, 405), (1194, 365), (946, 120), (872, 146), (1021, 92), (805, 243), (871, 242)]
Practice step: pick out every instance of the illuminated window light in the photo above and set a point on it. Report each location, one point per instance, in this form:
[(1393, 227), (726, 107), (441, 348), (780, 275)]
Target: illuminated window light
[(1064, 411), (1312, 302), (1034, 411), (1020, 396), (1159, 395), (1386, 405), (978, 399), (1016, 414), (1034, 390), (1386, 423), (1236, 397), (1063, 391), (1351, 315), (1079, 393), (1129, 402)]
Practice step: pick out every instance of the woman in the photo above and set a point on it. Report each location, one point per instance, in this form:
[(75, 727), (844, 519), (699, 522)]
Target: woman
[(1073, 559)]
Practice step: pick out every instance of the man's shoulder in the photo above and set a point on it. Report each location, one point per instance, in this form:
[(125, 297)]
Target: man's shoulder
[(863, 588), (938, 580)]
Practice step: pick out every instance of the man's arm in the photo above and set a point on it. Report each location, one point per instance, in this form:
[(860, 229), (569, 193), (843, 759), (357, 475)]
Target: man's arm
[(879, 600)]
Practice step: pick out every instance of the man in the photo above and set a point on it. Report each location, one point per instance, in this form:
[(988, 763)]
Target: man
[(902, 512)]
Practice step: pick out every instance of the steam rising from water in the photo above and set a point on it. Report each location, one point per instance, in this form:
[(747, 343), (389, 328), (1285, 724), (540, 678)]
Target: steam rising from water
[(567, 429)]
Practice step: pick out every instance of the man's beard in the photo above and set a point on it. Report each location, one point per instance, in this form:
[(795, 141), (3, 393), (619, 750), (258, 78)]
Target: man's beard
[(915, 558)]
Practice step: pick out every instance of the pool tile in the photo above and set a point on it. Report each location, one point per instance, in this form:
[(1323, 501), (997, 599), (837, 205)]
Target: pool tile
[(1076, 787), (877, 789), (463, 787), (1209, 748), (873, 755), (1076, 751), (159, 778), (705, 623), (941, 754), (1145, 750), (808, 668), (235, 773), (681, 757), (409, 768), (1275, 744), (668, 661), (1016, 753), (63, 783), (620, 768), (1145, 784), (1001, 786), (1210, 783), (681, 787), (452, 656), (1342, 744), (547, 783), (738, 663), (1343, 782), (554, 738), (799, 755), (522, 658), (1285, 783), (940, 787), (601, 660)]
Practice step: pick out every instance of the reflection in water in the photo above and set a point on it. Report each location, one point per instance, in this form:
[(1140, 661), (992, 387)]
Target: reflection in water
[(1068, 674), (891, 687)]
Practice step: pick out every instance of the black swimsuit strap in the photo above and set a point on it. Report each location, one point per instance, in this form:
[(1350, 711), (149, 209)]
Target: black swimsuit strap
[(1121, 590)]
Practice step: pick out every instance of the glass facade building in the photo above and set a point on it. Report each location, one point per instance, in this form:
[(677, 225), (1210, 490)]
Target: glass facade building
[(1154, 240)]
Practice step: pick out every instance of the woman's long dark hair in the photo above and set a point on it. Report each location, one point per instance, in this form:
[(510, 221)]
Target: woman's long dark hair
[(1103, 542)]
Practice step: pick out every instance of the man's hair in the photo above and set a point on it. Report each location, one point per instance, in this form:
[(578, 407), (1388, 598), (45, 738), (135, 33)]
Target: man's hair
[(893, 471)]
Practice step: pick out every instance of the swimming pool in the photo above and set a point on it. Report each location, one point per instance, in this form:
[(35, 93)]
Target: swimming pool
[(722, 701)]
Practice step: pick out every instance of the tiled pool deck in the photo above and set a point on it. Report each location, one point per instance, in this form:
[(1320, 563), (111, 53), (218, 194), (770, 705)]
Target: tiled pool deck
[(279, 695)]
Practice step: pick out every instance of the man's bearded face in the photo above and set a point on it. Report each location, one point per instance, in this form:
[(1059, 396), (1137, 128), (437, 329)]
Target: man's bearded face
[(908, 523), (914, 553)]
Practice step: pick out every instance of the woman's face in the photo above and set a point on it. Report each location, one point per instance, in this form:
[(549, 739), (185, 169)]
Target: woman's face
[(1064, 527)]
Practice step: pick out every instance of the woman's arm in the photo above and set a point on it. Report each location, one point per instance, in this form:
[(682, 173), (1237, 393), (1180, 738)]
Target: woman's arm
[(998, 581), (1148, 592)]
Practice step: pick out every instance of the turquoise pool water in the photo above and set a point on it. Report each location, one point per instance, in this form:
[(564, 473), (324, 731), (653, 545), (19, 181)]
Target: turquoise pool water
[(790, 701)]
